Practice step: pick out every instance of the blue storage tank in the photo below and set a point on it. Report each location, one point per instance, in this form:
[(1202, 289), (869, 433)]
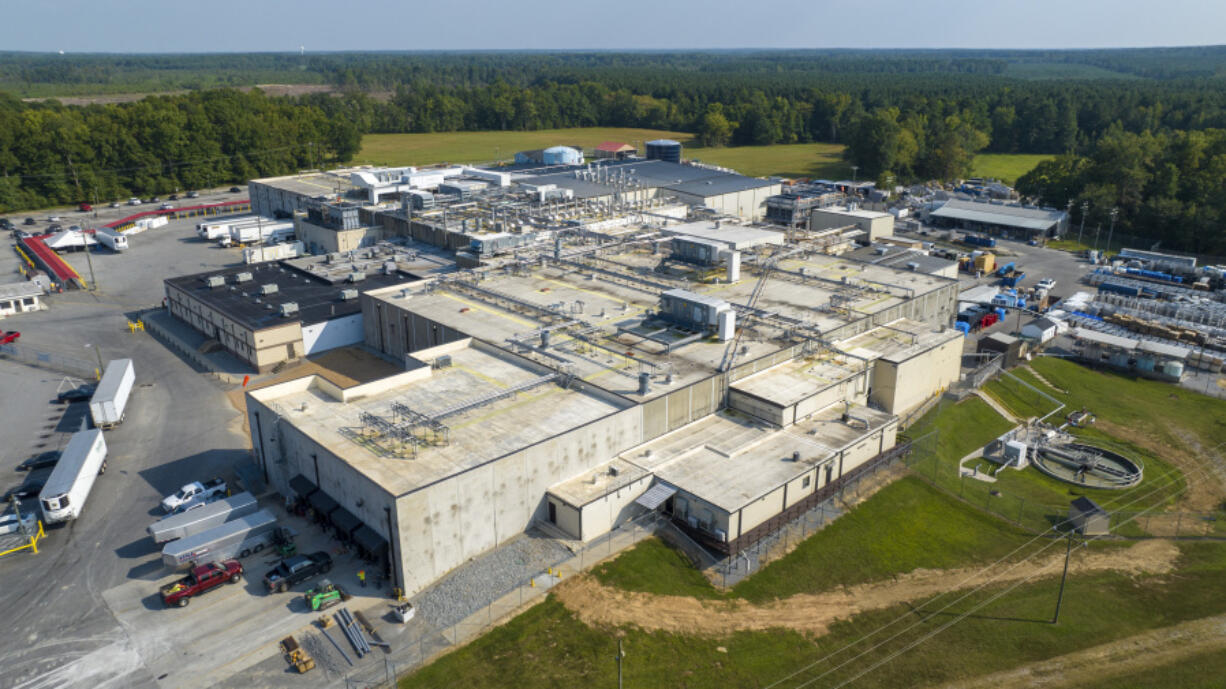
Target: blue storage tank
[(1000, 313), (664, 149), (562, 155), (1145, 363), (963, 327)]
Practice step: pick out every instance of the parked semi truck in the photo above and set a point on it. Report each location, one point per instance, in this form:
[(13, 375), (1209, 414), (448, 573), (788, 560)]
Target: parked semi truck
[(202, 518), (115, 241), (240, 538), (64, 494), (110, 399), (216, 229)]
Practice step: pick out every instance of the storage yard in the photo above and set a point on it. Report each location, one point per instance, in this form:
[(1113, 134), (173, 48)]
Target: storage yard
[(451, 377)]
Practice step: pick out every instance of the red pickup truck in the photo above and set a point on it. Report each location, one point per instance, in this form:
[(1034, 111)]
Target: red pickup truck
[(199, 580)]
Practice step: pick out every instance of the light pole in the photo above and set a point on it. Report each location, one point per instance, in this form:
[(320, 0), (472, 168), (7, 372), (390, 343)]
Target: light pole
[(854, 170), (1098, 228), (1115, 213), (98, 353), (1085, 208)]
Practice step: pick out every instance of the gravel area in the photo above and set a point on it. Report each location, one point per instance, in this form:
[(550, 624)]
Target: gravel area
[(477, 583)]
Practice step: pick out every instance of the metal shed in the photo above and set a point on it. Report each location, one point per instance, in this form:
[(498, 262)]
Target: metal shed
[(1088, 518)]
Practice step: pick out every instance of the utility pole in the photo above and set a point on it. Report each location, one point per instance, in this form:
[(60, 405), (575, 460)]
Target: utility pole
[(1055, 619), (1115, 213), (93, 287), (1097, 228), (854, 170), (1085, 208)]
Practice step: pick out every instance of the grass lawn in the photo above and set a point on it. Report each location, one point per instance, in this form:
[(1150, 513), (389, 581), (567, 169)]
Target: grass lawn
[(548, 647), (1199, 671), (786, 160), (1020, 400), (1006, 167), (481, 147), (653, 566), (823, 161), (926, 529)]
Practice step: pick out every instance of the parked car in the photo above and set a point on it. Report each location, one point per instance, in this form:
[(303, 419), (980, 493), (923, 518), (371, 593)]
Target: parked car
[(201, 580), (172, 197), (134, 201), (114, 204), (31, 221), (1046, 284), (78, 394), (167, 206), (54, 218), (297, 569), (26, 491), (195, 503), (9, 337), (6, 224), (84, 207), (8, 522), (40, 461), (235, 190), (193, 194)]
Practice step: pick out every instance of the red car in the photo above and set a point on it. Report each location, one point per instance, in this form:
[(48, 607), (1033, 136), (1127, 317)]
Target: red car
[(199, 580), (9, 337), (84, 207)]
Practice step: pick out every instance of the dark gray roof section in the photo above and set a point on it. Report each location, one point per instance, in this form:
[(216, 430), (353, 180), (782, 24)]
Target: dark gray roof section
[(898, 257), (1088, 506), (369, 539), (302, 485), (318, 299), (717, 186), (1043, 323), (687, 179)]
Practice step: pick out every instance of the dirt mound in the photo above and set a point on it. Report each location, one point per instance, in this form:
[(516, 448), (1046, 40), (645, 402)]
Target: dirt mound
[(598, 605)]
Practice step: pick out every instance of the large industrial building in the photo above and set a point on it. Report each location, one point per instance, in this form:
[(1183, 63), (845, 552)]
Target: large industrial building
[(874, 224), (1006, 220), (582, 384)]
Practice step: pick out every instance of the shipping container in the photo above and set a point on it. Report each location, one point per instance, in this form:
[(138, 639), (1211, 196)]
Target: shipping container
[(64, 494), (110, 400), (201, 519)]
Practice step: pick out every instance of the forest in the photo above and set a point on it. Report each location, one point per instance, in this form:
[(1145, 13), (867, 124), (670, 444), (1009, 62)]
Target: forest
[(906, 115)]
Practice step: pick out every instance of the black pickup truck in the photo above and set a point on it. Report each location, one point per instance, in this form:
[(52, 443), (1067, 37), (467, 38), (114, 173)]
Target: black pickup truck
[(299, 568)]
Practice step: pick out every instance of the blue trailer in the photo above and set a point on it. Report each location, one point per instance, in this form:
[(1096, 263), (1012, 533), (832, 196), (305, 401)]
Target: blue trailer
[(1011, 278), (977, 240)]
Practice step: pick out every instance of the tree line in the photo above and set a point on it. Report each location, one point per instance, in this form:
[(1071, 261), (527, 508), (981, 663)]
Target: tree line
[(52, 154), (1164, 186)]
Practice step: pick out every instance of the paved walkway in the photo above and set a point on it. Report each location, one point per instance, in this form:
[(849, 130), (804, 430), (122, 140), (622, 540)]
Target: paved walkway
[(1000, 409)]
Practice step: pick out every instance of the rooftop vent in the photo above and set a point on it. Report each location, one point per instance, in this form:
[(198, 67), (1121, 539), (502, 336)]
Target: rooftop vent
[(270, 288), (349, 294), (357, 276), (242, 277), (214, 281), (289, 308), (912, 265)]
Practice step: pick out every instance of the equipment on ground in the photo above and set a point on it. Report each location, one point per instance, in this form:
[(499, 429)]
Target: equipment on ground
[(296, 655), (325, 596)]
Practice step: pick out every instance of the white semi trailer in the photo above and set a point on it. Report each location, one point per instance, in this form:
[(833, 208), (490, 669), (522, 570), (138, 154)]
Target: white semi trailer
[(64, 494), (236, 538), (216, 229), (115, 241), (110, 400), (203, 518)]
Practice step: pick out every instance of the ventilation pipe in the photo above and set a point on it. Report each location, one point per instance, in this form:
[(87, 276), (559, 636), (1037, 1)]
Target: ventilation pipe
[(644, 383), (734, 266)]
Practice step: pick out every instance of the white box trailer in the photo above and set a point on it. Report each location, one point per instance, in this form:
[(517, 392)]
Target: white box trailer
[(202, 518), (63, 495), (115, 241), (236, 538), (216, 229), (110, 399), (265, 230)]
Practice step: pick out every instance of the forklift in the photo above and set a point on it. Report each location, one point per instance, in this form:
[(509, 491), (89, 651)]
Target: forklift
[(325, 596)]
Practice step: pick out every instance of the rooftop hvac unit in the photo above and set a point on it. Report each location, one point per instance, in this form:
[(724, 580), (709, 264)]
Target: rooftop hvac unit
[(215, 281), (289, 308), (349, 294), (912, 265), (357, 276), (270, 288), (243, 277)]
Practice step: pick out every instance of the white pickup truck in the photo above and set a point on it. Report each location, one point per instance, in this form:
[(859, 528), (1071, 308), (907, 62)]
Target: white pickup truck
[(194, 491)]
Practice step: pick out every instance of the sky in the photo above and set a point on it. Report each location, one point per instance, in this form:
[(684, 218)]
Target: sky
[(126, 26)]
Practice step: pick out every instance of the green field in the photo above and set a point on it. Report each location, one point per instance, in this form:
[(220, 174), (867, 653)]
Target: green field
[(1006, 167), (789, 160), (823, 161), (653, 566), (483, 147)]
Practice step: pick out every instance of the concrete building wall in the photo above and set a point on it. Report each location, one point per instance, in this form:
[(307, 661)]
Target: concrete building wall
[(749, 204), (263, 348), (801, 487), (567, 517), (680, 407), (330, 334), (322, 240), (444, 524), (761, 510), (874, 227), (900, 387), (9, 307), (614, 509), (397, 332)]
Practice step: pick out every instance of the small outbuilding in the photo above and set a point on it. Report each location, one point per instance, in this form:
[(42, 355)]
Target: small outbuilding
[(1087, 518), (1040, 330), (615, 150), (1008, 346)]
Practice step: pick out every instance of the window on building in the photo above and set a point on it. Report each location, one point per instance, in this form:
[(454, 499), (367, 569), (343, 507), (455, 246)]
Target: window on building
[(805, 483)]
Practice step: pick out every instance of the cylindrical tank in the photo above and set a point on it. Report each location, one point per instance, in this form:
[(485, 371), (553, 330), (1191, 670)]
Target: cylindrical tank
[(1173, 369), (664, 149)]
